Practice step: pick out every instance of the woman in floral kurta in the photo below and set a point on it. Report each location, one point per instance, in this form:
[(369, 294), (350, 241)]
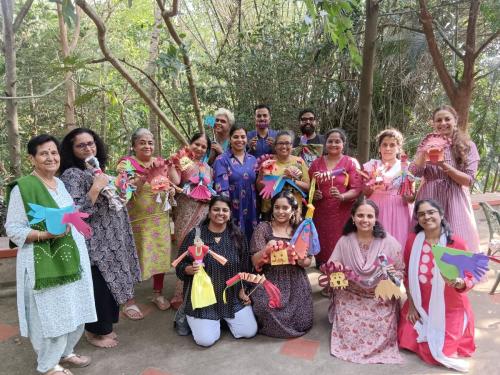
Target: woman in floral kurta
[(235, 178), (333, 198), (149, 218)]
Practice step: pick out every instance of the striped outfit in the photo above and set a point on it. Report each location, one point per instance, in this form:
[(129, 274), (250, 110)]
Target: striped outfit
[(454, 198)]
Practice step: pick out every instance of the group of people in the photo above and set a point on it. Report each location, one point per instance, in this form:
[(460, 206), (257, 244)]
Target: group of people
[(229, 232)]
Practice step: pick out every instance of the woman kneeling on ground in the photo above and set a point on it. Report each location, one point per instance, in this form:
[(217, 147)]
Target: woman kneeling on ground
[(217, 233)]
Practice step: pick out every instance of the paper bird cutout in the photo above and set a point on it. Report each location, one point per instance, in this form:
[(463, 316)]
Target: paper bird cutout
[(274, 185), (209, 121), (455, 263), (75, 218), (57, 218)]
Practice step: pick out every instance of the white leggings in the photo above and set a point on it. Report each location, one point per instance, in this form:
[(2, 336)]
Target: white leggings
[(206, 332)]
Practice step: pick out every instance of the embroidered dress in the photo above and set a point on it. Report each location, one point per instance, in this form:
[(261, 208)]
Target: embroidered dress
[(331, 214), (73, 301), (452, 313), (111, 247), (295, 317), (151, 227), (454, 198), (394, 212), (189, 212), (236, 180), (364, 330)]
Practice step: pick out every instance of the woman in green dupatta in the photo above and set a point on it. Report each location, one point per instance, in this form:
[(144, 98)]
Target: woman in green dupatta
[(53, 272)]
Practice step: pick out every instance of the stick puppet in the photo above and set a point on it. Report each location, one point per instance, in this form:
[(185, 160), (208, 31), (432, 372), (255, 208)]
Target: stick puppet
[(56, 219), (272, 291), (389, 286), (433, 145), (109, 191), (277, 253), (202, 289), (334, 277)]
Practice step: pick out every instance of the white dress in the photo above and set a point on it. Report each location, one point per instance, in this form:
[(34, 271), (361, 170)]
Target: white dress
[(62, 308)]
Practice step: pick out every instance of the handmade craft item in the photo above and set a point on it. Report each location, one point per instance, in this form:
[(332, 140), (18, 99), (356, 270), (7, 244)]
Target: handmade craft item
[(277, 253), (405, 180), (433, 145), (202, 190), (56, 219), (209, 121), (331, 175), (266, 163), (202, 289), (157, 176), (273, 293), (453, 263), (305, 239), (334, 277), (274, 185), (122, 182), (308, 152), (389, 286), (109, 191)]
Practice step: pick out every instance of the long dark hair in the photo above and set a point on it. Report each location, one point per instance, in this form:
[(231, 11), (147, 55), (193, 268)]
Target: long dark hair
[(349, 227), (235, 233), (292, 201), (445, 226), (68, 158)]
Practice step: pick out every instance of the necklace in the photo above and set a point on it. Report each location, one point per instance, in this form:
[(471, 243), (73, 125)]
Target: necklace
[(46, 182)]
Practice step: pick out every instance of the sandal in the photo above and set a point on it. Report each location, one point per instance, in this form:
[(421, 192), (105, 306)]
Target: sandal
[(76, 360), (133, 312), (101, 341), (58, 370), (161, 302)]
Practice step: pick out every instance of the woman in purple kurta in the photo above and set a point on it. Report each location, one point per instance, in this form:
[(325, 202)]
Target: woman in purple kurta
[(448, 182), (333, 198), (395, 209), (235, 178)]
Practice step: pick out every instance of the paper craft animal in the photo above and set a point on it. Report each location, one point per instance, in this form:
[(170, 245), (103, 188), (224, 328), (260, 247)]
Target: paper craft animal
[(109, 191), (331, 175), (266, 163), (305, 239), (273, 293), (56, 219), (455, 263), (389, 286), (202, 289), (433, 145), (334, 277), (277, 253)]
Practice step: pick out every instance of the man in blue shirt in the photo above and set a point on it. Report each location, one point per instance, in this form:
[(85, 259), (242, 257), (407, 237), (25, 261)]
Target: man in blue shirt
[(261, 139)]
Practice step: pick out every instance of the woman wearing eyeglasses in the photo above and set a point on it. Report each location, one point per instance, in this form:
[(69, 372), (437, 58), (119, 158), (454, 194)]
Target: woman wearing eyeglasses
[(224, 120), (113, 256), (436, 321), (287, 166)]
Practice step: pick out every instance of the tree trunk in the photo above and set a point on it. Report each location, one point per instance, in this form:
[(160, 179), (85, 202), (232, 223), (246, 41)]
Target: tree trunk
[(11, 88), (366, 86)]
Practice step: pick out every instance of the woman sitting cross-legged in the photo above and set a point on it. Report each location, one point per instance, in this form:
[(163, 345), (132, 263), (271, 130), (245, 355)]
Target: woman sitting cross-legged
[(205, 308), (295, 316), (436, 321), (364, 329)]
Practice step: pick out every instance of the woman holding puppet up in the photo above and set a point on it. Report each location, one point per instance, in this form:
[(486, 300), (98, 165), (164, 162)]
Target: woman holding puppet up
[(115, 267), (211, 254)]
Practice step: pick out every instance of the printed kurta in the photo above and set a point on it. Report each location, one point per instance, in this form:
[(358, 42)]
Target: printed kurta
[(295, 317), (151, 228), (330, 214), (189, 212), (364, 329), (459, 318), (73, 301), (394, 212), (454, 198), (111, 247), (236, 180)]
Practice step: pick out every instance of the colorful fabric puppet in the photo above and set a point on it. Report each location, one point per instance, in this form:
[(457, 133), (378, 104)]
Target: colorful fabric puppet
[(157, 176), (273, 293), (406, 179), (109, 191), (305, 239), (202, 191), (202, 289), (57, 218), (454, 263), (122, 181), (433, 145)]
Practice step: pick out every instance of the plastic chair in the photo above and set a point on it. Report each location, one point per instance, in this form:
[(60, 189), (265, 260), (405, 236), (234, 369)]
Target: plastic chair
[(493, 220)]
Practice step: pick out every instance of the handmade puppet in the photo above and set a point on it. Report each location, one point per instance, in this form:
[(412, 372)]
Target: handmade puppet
[(109, 191), (273, 293), (56, 219), (157, 176), (405, 181), (123, 181), (202, 289), (389, 286), (331, 175), (308, 152), (334, 277), (277, 253), (305, 239), (433, 146)]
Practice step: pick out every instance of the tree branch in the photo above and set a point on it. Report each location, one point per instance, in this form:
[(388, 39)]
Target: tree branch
[(420, 31), (486, 43), (76, 31), (33, 96), (20, 16), (447, 41), (101, 35)]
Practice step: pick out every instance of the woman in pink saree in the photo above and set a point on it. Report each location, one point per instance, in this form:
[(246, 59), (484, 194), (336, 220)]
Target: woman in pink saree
[(364, 329)]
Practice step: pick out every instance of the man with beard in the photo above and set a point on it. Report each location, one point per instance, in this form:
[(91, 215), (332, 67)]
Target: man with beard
[(310, 145), (261, 139)]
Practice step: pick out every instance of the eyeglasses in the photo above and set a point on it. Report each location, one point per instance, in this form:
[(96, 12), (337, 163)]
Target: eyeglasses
[(221, 120), (424, 213), (81, 146), (305, 119), (286, 144)]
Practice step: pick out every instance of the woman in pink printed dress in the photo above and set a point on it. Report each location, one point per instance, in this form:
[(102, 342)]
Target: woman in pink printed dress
[(449, 181), (395, 206), (364, 329)]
